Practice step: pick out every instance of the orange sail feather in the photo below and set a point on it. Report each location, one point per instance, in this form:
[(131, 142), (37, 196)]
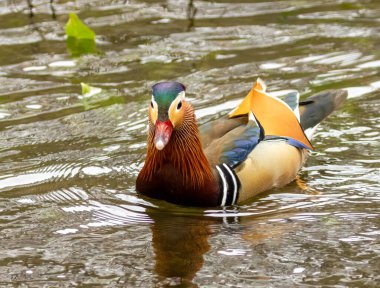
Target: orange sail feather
[(274, 115)]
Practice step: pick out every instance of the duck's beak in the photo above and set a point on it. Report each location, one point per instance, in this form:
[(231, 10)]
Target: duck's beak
[(162, 133)]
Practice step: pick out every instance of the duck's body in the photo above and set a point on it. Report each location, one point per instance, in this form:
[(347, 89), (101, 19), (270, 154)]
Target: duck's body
[(260, 145)]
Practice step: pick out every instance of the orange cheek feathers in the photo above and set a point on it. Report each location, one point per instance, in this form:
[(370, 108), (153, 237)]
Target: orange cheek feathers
[(177, 116), (153, 115)]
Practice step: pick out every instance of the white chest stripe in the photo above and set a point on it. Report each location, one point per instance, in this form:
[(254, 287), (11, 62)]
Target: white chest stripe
[(234, 181), (225, 187)]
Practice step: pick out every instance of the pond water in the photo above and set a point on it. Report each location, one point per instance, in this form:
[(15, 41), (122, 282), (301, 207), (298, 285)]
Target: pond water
[(69, 212)]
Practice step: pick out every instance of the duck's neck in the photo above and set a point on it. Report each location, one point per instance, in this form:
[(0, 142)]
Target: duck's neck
[(181, 167), (183, 152)]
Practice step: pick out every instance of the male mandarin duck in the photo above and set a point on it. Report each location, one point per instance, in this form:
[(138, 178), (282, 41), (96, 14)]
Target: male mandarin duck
[(261, 144)]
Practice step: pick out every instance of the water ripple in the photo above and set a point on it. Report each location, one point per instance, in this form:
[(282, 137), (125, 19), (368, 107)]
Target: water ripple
[(106, 215), (69, 209)]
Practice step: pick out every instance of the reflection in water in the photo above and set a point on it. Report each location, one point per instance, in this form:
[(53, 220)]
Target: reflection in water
[(181, 241), (69, 212), (191, 11), (31, 6), (179, 244)]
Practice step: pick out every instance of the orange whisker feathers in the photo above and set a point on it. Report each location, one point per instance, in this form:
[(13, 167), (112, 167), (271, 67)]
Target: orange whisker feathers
[(184, 152)]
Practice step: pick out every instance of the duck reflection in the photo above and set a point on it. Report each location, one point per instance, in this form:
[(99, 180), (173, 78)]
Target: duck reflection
[(179, 243)]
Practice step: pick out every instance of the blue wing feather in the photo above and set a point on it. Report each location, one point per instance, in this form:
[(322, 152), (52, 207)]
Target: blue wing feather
[(237, 151), (290, 141), (236, 146), (297, 143)]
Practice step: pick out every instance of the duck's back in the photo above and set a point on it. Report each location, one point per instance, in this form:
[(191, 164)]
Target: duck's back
[(262, 162)]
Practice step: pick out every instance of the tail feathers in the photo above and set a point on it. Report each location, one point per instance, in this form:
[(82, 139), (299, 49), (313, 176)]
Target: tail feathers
[(316, 108)]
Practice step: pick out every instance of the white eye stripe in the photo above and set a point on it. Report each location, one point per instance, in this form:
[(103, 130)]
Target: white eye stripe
[(153, 102), (181, 95)]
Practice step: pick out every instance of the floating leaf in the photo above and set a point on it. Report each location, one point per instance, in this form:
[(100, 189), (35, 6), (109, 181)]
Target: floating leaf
[(80, 38), (88, 91), (77, 29), (91, 95)]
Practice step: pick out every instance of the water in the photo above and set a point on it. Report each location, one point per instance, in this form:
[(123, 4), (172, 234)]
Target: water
[(69, 214)]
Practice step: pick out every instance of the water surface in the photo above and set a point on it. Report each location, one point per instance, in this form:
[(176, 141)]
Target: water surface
[(69, 213)]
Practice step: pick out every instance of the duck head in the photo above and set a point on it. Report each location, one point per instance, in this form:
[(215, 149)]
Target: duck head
[(166, 111)]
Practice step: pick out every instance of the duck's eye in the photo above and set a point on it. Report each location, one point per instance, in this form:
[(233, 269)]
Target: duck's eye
[(151, 104), (179, 105)]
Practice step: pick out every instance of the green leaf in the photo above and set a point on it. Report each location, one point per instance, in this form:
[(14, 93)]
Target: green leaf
[(80, 38), (89, 91), (94, 97), (77, 29)]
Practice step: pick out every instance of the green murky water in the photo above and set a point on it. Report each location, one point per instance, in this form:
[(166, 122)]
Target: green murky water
[(69, 214)]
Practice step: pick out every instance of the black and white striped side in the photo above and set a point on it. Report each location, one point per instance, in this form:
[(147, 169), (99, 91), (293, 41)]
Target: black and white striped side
[(229, 183)]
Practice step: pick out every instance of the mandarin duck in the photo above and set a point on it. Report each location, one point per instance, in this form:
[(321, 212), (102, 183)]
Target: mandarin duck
[(259, 145)]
